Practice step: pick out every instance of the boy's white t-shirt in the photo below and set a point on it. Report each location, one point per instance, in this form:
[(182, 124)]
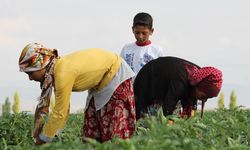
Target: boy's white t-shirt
[(137, 56)]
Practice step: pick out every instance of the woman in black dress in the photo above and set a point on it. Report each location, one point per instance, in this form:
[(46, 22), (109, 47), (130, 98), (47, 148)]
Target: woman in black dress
[(167, 80)]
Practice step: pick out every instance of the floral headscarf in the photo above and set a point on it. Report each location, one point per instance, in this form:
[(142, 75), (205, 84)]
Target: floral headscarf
[(35, 57)]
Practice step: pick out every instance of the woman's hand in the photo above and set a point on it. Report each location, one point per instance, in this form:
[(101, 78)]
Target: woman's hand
[(170, 121), (38, 141)]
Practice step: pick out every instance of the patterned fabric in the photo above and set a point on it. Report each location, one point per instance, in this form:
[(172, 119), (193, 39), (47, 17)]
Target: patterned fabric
[(116, 118), (137, 56), (35, 57), (207, 79), (102, 97), (151, 110), (42, 108), (187, 112)]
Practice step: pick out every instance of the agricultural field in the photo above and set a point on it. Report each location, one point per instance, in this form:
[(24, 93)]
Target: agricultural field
[(217, 130)]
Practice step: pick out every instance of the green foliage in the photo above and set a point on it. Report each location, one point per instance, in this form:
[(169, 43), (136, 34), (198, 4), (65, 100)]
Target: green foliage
[(15, 130), (223, 130), (233, 100), (16, 105), (221, 101), (6, 107)]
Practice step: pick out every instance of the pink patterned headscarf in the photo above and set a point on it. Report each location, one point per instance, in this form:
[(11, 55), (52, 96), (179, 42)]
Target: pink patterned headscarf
[(207, 79), (35, 57)]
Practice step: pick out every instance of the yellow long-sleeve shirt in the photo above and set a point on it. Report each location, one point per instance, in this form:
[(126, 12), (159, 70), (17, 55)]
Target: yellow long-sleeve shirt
[(79, 71)]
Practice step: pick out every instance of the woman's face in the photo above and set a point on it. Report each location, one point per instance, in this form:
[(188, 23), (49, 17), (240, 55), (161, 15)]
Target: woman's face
[(200, 95), (36, 75)]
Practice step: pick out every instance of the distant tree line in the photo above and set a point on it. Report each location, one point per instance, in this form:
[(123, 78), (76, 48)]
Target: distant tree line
[(6, 107), (233, 101)]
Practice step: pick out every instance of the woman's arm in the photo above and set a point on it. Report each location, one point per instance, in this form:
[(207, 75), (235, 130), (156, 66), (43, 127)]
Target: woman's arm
[(175, 92), (58, 118)]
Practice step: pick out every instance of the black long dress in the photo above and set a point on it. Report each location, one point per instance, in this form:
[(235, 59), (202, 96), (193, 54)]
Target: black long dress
[(163, 81)]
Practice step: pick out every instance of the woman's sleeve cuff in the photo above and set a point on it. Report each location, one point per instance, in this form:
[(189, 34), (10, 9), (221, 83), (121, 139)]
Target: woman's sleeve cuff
[(45, 138)]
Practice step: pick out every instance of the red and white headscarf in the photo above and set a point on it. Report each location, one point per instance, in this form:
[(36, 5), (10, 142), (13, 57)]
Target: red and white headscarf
[(35, 57), (207, 79)]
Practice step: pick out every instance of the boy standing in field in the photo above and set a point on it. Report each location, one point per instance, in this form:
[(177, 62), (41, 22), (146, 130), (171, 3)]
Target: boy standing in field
[(138, 53)]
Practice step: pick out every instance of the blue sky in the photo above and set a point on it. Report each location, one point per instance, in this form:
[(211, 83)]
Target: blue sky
[(208, 33)]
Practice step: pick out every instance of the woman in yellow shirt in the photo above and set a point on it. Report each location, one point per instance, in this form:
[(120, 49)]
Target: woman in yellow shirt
[(110, 106)]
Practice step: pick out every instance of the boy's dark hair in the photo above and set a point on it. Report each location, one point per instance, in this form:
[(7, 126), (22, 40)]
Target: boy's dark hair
[(143, 19)]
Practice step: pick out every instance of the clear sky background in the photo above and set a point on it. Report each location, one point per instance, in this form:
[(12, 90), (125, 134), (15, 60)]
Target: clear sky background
[(214, 32)]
